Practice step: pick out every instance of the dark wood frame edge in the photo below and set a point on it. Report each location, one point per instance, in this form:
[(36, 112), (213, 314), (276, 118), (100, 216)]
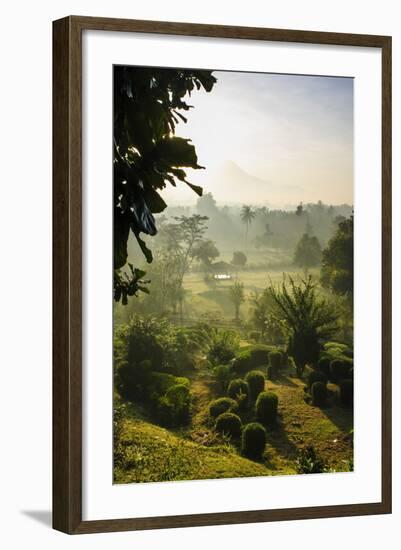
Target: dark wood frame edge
[(67, 270)]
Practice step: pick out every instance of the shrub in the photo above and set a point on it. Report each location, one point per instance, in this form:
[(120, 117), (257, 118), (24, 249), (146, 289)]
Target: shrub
[(309, 462), (260, 355), (182, 380), (251, 357), (266, 407), (324, 366), (174, 407), (271, 373), (347, 392), (222, 374), (242, 362), (319, 393), (256, 382), (224, 344), (275, 360), (339, 369), (229, 424), (316, 376), (134, 378), (222, 405), (336, 349), (237, 387), (253, 440)]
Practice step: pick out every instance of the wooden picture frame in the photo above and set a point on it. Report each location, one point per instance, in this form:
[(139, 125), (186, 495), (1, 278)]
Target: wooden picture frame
[(67, 274)]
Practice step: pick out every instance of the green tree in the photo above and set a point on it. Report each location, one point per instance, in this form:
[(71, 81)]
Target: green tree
[(300, 210), (179, 241), (148, 103), (205, 252), (247, 215), (309, 320), (337, 271), (239, 259), (308, 252), (237, 296)]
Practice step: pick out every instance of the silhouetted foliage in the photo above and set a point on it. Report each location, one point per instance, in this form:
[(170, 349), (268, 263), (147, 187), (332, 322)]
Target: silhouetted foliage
[(239, 259), (310, 320), (308, 252), (148, 103), (338, 260)]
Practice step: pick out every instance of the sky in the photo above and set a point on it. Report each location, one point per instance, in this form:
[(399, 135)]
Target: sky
[(271, 139)]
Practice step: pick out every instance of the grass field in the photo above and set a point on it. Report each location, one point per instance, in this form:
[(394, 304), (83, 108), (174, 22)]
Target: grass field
[(213, 296)]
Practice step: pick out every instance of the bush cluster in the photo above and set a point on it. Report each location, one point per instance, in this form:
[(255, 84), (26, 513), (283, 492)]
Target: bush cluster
[(253, 440), (266, 407), (253, 356)]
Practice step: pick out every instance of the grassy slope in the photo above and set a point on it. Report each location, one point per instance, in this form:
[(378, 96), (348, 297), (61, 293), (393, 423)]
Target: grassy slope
[(155, 454), (152, 453)]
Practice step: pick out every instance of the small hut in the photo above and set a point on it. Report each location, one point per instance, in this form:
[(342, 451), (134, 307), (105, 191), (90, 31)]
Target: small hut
[(221, 271)]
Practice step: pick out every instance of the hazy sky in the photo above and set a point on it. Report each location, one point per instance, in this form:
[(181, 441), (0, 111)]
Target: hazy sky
[(288, 138)]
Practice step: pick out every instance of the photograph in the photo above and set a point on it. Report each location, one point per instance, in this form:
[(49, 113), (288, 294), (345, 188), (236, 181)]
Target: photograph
[(233, 274)]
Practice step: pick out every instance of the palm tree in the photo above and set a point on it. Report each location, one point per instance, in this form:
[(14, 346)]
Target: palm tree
[(247, 215)]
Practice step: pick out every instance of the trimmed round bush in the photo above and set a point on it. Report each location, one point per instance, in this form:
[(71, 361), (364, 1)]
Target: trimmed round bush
[(253, 440), (319, 393), (222, 374), (266, 407), (260, 355), (242, 362), (347, 392), (256, 382), (275, 360), (316, 376), (253, 356), (237, 387), (222, 405), (271, 373), (324, 366), (339, 369), (229, 424)]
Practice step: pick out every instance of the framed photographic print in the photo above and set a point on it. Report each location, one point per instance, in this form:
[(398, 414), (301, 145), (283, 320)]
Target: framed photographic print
[(222, 275)]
